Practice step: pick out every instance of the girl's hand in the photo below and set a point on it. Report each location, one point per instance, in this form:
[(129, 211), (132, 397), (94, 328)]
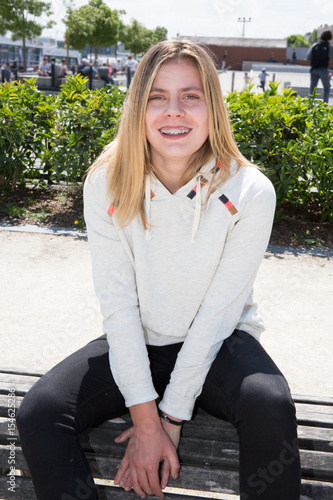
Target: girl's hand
[(149, 445), (174, 432)]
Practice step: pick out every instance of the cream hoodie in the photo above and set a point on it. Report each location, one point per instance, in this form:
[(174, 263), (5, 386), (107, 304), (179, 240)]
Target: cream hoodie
[(187, 279)]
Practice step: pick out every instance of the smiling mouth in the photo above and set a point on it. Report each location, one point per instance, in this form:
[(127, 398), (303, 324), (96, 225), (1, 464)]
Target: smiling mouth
[(175, 131)]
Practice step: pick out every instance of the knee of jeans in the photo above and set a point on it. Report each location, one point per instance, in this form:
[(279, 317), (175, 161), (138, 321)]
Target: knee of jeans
[(266, 398), (39, 410)]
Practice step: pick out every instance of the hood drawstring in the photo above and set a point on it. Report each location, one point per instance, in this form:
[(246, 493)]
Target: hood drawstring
[(148, 235), (197, 210)]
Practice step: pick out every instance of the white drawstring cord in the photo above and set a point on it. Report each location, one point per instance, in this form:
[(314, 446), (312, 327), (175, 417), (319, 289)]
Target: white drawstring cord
[(197, 210), (148, 235)]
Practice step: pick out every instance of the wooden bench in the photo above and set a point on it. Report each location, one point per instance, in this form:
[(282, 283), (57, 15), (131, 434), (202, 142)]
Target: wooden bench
[(209, 466)]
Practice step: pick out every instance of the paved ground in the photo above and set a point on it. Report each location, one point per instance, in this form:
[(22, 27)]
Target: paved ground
[(49, 309)]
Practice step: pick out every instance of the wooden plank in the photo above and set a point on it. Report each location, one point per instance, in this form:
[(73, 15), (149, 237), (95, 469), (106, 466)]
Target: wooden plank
[(193, 477), (20, 383), (6, 403), (15, 371), (310, 411), (313, 400), (310, 490), (23, 491), (190, 477), (315, 412), (305, 417), (314, 490), (20, 462), (315, 438), (315, 464)]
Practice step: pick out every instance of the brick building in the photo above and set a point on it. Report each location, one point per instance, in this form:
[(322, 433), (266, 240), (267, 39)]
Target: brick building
[(238, 50)]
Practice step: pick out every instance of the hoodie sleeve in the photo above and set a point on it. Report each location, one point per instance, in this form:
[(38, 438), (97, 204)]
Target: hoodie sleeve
[(115, 287), (309, 54), (222, 306)]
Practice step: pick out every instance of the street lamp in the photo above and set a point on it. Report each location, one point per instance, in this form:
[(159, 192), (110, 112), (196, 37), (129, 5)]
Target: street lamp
[(244, 20)]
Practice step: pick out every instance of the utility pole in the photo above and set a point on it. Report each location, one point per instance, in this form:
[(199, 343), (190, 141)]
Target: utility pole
[(244, 20)]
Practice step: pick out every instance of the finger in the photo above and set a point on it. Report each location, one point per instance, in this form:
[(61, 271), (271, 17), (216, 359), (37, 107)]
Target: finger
[(165, 473), (174, 465), (154, 484), (124, 436), (126, 482), (136, 484), (143, 481), (122, 470)]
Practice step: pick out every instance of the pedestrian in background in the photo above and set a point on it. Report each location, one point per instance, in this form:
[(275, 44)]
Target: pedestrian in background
[(262, 79), (319, 56), (130, 68)]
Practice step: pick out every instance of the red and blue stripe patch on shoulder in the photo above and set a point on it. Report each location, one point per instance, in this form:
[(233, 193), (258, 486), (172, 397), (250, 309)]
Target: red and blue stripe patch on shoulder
[(111, 209), (227, 203)]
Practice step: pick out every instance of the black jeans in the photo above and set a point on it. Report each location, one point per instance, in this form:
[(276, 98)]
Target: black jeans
[(243, 386)]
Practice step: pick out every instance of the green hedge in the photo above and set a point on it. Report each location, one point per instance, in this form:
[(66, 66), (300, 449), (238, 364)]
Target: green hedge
[(290, 137), (64, 133)]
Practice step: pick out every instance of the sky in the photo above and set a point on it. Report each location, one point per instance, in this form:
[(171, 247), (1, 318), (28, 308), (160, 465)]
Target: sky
[(269, 18)]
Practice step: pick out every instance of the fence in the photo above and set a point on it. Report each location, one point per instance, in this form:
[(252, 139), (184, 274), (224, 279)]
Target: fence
[(300, 82)]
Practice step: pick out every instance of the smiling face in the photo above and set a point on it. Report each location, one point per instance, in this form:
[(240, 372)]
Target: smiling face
[(176, 116)]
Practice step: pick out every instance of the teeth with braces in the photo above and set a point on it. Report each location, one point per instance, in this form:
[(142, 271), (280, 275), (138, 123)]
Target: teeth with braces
[(175, 132)]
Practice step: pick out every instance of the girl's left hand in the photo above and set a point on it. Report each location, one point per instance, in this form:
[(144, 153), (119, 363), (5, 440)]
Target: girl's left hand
[(174, 434)]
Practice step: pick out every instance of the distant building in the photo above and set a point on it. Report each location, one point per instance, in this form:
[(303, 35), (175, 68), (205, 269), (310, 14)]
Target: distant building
[(236, 51), (324, 27), (12, 51)]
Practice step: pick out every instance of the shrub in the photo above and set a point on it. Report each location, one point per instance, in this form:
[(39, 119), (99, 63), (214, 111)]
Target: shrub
[(291, 138), (25, 119), (84, 123)]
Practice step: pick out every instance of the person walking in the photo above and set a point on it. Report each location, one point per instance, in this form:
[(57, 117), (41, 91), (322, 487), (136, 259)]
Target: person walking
[(130, 68), (319, 56), (178, 222), (262, 79)]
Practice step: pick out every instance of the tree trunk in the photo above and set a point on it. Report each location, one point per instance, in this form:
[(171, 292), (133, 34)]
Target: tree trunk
[(24, 53), (67, 47)]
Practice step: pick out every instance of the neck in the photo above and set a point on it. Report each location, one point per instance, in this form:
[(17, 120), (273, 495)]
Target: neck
[(171, 173)]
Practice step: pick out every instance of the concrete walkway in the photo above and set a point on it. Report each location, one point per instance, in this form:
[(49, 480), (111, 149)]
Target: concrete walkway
[(49, 309)]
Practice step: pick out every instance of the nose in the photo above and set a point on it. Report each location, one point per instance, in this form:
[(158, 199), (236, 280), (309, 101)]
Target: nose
[(174, 107)]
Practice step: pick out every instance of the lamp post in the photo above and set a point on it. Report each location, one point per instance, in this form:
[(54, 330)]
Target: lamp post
[(244, 20)]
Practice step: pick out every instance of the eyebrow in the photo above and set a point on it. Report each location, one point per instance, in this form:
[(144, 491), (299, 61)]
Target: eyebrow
[(185, 89)]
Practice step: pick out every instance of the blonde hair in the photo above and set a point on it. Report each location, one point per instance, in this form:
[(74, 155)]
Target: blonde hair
[(127, 157)]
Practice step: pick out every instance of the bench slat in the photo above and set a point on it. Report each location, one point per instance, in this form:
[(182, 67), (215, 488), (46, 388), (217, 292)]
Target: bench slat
[(199, 478), (20, 383)]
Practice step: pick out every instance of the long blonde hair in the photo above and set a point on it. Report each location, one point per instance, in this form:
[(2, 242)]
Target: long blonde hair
[(127, 157)]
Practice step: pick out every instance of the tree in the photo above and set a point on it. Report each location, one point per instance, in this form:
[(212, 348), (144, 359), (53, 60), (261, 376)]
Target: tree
[(19, 18), (297, 41), (313, 38), (137, 38), (93, 24)]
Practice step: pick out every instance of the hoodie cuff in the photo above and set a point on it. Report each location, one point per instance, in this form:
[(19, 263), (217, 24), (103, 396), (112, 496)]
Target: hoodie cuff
[(176, 405), (140, 392)]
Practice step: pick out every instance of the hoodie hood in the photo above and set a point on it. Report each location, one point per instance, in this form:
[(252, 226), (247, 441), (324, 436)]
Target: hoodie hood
[(192, 194)]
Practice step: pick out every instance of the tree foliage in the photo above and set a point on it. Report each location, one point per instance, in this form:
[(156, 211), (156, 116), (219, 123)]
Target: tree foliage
[(137, 38), (313, 38), (19, 17), (93, 24), (297, 41)]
